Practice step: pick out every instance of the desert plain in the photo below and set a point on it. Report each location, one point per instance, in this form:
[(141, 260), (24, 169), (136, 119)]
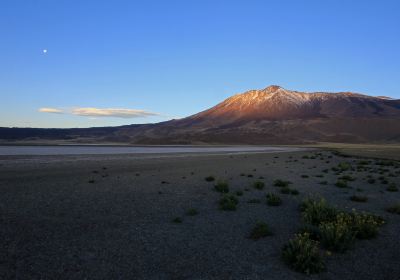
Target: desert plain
[(158, 216)]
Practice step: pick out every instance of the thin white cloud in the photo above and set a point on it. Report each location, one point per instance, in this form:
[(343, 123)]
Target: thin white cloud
[(112, 112), (51, 110), (102, 112)]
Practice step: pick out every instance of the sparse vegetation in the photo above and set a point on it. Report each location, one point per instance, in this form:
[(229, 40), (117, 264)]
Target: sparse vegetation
[(303, 255), (177, 220), (192, 212), (222, 187), (338, 234), (239, 193), (228, 203), (273, 199), (210, 178), (258, 185), (260, 230), (394, 209), (341, 184), (337, 230), (281, 183), (392, 188), (347, 178), (316, 212), (294, 192), (365, 225)]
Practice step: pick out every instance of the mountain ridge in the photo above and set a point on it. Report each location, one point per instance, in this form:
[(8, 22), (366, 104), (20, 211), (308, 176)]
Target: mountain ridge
[(272, 115)]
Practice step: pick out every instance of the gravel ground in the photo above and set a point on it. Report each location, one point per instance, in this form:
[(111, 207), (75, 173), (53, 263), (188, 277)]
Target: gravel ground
[(110, 217)]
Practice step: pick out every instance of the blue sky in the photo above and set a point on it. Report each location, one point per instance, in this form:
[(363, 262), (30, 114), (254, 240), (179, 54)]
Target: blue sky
[(176, 58)]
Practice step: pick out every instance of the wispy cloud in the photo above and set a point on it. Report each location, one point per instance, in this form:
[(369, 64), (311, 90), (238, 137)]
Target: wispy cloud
[(102, 112), (50, 110), (112, 112)]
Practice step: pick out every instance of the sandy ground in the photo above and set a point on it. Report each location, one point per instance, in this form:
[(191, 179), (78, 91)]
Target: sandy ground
[(56, 223)]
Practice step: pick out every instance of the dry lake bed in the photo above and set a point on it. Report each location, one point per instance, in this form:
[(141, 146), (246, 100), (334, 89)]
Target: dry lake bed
[(192, 215)]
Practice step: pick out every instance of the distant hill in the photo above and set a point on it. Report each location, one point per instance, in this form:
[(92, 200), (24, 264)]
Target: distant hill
[(272, 115)]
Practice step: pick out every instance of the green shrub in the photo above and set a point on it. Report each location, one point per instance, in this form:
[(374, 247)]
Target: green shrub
[(392, 188), (365, 225), (312, 230), (273, 199), (302, 254), (239, 193), (316, 212), (337, 235), (209, 178), (222, 187), (394, 209), (281, 183), (294, 192), (347, 178), (177, 220), (341, 184), (192, 212), (260, 230), (258, 185), (344, 166), (228, 203), (358, 198)]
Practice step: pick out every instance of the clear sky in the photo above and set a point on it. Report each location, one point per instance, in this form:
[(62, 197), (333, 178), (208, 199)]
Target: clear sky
[(166, 59)]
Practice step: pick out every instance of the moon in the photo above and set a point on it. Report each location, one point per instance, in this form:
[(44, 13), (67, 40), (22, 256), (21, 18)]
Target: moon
[(44, 51)]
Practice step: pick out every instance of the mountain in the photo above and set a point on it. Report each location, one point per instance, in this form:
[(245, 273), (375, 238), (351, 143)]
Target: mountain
[(272, 115)]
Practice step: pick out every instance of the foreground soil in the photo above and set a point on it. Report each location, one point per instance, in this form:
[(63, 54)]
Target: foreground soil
[(110, 217)]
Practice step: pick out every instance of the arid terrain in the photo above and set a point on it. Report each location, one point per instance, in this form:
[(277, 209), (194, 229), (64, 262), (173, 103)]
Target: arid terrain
[(161, 217)]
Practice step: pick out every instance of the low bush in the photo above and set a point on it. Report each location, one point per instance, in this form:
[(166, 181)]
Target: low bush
[(281, 183), (239, 193), (303, 255), (209, 178), (394, 209), (273, 199), (392, 188), (258, 185), (341, 184), (294, 192), (260, 230), (192, 212), (337, 235), (177, 220), (365, 225), (228, 203), (347, 178), (317, 211), (222, 186)]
